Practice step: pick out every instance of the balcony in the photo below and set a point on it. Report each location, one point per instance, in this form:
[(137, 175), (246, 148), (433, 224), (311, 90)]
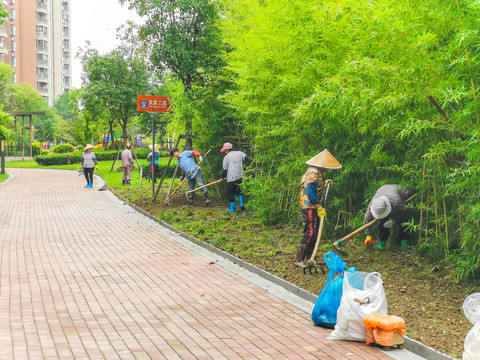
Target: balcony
[(3, 35), (42, 89), (42, 49), (42, 78), (3, 51), (42, 64), (42, 35)]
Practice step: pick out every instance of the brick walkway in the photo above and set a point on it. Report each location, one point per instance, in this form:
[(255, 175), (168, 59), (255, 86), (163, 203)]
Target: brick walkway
[(85, 277)]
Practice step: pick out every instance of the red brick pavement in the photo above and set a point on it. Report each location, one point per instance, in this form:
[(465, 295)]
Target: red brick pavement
[(84, 277)]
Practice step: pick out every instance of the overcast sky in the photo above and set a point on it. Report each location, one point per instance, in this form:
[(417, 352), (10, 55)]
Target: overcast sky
[(96, 21)]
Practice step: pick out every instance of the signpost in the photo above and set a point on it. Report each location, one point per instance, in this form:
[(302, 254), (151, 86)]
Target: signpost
[(153, 104)]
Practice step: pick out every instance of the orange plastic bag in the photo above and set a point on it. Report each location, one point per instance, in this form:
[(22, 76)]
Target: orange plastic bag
[(381, 328)]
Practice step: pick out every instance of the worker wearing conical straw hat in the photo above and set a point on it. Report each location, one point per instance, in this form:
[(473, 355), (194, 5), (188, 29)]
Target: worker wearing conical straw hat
[(310, 207)]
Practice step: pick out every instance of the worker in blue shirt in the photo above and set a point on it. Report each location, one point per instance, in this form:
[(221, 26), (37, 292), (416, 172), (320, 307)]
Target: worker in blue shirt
[(187, 163)]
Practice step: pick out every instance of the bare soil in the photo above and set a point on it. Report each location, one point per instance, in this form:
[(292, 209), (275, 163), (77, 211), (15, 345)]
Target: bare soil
[(424, 294)]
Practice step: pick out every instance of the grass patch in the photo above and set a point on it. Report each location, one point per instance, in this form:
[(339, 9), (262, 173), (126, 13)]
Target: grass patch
[(3, 177)]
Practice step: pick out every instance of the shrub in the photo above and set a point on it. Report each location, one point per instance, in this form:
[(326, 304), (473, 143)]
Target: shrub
[(63, 148), (58, 159), (160, 170), (36, 148), (45, 152)]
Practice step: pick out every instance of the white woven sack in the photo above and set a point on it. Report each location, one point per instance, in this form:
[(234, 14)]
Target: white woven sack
[(471, 308), (363, 294)]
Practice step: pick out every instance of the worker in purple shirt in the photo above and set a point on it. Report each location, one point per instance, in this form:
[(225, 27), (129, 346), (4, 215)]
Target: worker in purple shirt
[(187, 163), (233, 172), (127, 165)]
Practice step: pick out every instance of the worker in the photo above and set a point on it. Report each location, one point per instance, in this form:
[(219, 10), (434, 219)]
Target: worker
[(89, 162), (233, 172), (313, 183), (152, 159), (127, 165), (191, 171), (388, 207)]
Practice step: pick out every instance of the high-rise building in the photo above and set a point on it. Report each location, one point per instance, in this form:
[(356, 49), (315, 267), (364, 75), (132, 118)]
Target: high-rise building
[(35, 40)]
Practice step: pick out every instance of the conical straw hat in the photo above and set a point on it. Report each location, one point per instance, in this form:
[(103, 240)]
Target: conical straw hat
[(324, 160)]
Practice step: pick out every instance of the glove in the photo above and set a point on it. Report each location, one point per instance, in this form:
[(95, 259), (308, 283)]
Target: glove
[(329, 181), (96, 168), (321, 212), (201, 158), (388, 224), (368, 240)]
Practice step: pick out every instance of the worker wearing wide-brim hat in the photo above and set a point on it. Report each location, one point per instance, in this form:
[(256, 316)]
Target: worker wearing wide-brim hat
[(310, 207), (388, 206), (89, 161)]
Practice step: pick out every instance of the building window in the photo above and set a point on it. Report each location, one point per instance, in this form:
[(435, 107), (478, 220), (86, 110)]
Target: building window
[(12, 14), (65, 30), (65, 43), (66, 67), (13, 30), (13, 61), (12, 2), (13, 46), (66, 54), (66, 81)]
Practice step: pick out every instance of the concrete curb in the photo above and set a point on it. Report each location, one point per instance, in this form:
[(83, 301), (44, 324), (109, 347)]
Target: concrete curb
[(10, 178), (411, 345)]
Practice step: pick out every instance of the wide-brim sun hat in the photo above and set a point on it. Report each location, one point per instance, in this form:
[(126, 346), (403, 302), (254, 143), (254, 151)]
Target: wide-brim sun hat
[(88, 146), (324, 160), (151, 147), (380, 207)]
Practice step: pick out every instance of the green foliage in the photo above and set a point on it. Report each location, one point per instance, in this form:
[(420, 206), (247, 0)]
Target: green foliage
[(111, 84), (3, 14), (182, 38), (59, 159), (390, 88), (63, 149), (36, 148)]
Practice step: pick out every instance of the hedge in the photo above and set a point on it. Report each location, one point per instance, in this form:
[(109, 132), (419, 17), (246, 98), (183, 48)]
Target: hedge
[(101, 155)]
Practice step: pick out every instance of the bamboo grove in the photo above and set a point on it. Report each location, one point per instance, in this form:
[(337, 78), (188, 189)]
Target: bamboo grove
[(389, 87)]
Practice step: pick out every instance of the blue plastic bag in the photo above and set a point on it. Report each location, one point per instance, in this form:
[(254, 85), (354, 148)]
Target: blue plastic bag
[(325, 311)]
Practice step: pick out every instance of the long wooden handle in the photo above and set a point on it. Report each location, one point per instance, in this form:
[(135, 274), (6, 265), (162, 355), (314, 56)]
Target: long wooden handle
[(204, 186), (359, 230), (216, 182), (322, 219)]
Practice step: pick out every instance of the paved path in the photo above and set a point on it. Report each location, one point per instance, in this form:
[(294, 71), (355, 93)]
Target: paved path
[(85, 277)]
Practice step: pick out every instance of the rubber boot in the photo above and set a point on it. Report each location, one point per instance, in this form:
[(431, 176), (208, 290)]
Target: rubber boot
[(86, 186), (127, 182), (90, 186), (382, 244), (242, 204), (207, 199), (404, 244), (300, 256), (123, 182), (232, 207)]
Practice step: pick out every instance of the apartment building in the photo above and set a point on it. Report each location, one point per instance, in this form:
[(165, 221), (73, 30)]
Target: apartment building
[(35, 40)]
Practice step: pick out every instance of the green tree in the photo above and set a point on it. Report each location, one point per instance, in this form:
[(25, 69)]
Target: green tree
[(182, 38), (3, 14), (112, 82)]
